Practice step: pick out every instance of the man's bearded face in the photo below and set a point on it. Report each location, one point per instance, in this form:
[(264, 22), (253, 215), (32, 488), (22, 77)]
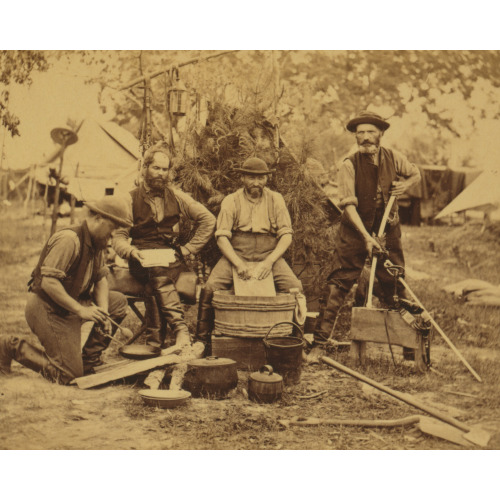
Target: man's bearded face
[(158, 172), (254, 184), (103, 232), (368, 138)]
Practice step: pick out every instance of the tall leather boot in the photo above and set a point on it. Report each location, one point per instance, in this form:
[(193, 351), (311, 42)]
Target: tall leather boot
[(152, 324), (206, 317), (325, 322), (171, 309), (14, 348)]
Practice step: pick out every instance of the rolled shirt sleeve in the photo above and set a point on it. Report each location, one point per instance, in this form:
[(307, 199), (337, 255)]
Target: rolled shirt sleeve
[(63, 249), (405, 168), (347, 194), (198, 213), (226, 217)]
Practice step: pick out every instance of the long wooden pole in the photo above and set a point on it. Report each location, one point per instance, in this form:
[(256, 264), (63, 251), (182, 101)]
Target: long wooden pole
[(381, 232), (55, 210), (141, 79), (396, 394)]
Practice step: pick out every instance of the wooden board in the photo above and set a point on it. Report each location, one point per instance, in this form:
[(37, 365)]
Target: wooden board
[(254, 287), (249, 354), (369, 325), (131, 367)]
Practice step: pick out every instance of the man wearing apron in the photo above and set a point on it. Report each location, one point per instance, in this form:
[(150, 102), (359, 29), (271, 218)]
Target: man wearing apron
[(253, 226)]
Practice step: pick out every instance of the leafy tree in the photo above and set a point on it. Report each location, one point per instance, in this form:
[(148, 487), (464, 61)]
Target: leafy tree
[(16, 66)]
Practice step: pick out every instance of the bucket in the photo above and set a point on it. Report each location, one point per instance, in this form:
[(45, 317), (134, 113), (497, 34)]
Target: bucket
[(251, 317), (284, 354)]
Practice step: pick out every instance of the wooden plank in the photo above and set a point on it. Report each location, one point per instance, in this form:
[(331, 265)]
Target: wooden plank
[(254, 287), (369, 325), (133, 368), (249, 354)]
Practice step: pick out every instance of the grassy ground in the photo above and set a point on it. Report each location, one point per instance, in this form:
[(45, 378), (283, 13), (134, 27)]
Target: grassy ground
[(36, 414)]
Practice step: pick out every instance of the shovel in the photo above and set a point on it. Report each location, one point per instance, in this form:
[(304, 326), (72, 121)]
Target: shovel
[(368, 317), (475, 435)]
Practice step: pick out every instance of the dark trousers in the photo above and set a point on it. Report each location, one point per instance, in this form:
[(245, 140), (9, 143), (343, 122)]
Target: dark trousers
[(61, 335)]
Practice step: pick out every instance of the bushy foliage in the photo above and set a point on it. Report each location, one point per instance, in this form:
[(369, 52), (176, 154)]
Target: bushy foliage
[(16, 66), (232, 135)]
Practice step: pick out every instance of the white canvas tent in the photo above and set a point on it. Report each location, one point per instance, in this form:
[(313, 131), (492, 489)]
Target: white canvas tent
[(482, 195), (103, 161)]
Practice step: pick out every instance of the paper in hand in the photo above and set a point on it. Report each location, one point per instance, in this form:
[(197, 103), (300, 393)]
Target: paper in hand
[(158, 257)]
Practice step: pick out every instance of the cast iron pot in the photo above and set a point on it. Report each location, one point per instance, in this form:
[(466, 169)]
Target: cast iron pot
[(210, 376)]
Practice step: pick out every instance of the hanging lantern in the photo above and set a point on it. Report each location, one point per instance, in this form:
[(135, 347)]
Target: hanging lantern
[(178, 96)]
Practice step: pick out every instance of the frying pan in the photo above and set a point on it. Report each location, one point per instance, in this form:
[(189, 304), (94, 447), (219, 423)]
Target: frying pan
[(132, 351), (136, 351)]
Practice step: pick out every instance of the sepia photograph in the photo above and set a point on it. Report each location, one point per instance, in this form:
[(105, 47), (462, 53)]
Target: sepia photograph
[(249, 250)]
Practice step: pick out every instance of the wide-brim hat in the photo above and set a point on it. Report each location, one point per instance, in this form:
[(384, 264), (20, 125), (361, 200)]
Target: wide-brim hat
[(254, 166), (370, 118), (113, 208)]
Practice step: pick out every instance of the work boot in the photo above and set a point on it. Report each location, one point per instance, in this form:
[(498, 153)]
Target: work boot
[(170, 308), (326, 320), (152, 322), (17, 349), (206, 317)]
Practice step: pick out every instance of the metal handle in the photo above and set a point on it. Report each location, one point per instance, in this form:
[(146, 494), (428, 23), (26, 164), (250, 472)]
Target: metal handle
[(266, 368), (284, 323)]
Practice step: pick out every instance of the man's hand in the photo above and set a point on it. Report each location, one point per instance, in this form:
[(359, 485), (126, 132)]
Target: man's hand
[(187, 254), (262, 270), (136, 254), (92, 313), (106, 327), (371, 244), (242, 270), (398, 188)]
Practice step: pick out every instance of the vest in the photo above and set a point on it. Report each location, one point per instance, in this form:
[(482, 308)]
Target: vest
[(146, 232), (367, 176), (73, 281)]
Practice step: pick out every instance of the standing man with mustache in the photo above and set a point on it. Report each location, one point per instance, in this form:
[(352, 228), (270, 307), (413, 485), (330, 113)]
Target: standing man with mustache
[(367, 179), (253, 226)]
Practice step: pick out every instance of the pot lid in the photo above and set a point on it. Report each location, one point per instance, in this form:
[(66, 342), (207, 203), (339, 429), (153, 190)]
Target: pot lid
[(212, 361), (266, 374)]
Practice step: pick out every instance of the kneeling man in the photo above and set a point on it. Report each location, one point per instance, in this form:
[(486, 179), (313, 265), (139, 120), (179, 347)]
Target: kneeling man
[(68, 287)]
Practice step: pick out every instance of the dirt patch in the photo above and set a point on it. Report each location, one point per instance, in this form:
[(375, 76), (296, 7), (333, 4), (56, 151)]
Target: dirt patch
[(36, 414)]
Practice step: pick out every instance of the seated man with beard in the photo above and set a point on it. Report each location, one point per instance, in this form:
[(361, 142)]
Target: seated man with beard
[(70, 273), (253, 226), (155, 210)]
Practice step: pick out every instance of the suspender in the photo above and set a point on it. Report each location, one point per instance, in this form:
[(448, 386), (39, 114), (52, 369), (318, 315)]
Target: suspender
[(270, 211)]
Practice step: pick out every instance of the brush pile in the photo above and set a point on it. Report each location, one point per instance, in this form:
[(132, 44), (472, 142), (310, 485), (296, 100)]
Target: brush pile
[(207, 172)]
